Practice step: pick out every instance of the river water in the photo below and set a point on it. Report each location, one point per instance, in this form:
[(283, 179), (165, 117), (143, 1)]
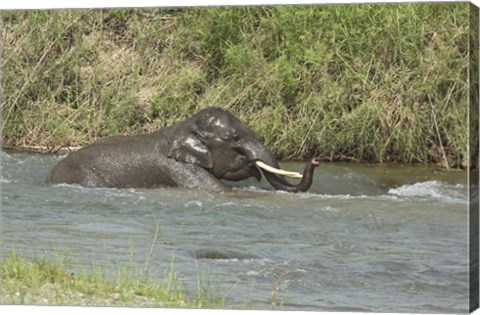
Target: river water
[(364, 238)]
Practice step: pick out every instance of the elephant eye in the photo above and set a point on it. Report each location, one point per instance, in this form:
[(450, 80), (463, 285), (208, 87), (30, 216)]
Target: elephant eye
[(235, 137)]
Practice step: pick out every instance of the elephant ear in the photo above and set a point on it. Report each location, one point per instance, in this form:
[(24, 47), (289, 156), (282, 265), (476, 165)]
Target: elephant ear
[(187, 148)]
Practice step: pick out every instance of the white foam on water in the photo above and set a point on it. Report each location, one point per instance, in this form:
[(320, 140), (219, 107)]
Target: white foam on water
[(103, 191), (6, 181), (432, 190), (346, 197), (330, 209), (252, 273), (193, 203)]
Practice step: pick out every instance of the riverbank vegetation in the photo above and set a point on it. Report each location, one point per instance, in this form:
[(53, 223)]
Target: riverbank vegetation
[(52, 281), (370, 82)]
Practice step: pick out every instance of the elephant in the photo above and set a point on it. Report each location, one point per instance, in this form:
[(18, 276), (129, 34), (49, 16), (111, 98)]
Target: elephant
[(200, 152)]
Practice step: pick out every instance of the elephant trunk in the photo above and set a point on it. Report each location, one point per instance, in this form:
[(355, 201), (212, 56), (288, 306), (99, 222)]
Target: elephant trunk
[(260, 153), (280, 183)]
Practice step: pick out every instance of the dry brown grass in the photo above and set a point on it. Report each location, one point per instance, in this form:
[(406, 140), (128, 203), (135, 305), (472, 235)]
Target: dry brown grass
[(376, 83)]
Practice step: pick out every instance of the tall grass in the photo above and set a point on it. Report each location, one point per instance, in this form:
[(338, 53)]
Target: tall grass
[(369, 82)]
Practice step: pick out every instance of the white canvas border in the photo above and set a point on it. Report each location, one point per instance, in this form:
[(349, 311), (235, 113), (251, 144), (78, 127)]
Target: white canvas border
[(31, 4), (48, 4)]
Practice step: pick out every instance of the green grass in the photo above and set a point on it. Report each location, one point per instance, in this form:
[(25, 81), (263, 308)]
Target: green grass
[(52, 282), (364, 82), (57, 280)]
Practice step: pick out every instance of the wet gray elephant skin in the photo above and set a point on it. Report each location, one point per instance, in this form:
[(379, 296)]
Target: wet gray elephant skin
[(210, 146)]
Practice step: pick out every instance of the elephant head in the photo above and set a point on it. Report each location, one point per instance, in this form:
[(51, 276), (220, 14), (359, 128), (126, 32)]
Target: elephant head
[(217, 141)]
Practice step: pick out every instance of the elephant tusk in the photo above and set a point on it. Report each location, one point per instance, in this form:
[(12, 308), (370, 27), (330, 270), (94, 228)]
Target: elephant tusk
[(274, 170)]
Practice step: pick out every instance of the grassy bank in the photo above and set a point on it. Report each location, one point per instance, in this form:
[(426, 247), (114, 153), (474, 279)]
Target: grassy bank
[(374, 83), (52, 282)]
